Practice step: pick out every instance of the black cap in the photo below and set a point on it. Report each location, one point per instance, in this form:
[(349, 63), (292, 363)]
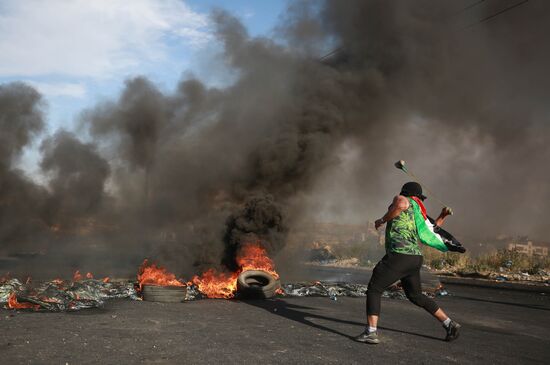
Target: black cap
[(412, 188)]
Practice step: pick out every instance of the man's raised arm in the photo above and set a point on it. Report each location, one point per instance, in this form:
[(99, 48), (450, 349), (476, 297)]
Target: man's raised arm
[(399, 204)]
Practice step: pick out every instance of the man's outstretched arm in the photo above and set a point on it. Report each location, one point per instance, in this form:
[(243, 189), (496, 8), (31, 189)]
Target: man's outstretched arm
[(399, 204)]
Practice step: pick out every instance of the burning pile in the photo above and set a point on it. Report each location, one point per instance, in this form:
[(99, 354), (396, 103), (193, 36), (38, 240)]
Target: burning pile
[(211, 283), (252, 233), (156, 284), (215, 284), (60, 295), (156, 275), (83, 291)]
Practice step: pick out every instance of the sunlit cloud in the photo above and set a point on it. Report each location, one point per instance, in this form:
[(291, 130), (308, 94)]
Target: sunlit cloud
[(54, 89), (81, 38)]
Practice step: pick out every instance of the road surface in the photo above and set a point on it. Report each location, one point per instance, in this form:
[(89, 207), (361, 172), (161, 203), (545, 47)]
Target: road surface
[(499, 327)]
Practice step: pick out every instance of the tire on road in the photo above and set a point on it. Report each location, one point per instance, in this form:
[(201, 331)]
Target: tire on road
[(257, 284), (165, 294)]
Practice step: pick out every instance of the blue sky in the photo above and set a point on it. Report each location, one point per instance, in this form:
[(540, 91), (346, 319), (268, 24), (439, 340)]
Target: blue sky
[(79, 52)]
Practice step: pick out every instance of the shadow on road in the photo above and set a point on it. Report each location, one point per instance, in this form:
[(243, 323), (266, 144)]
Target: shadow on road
[(302, 315), (297, 313), (411, 333), (529, 306)]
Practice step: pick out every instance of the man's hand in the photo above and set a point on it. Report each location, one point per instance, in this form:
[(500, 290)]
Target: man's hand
[(454, 246), (378, 223), (446, 211)]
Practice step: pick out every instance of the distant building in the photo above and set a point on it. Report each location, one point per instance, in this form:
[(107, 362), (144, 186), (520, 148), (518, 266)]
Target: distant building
[(528, 248)]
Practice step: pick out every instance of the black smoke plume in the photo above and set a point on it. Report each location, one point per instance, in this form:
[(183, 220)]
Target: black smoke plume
[(260, 222), (462, 99), (77, 176), (21, 120)]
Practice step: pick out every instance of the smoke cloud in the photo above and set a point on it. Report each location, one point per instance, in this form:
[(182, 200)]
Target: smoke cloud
[(188, 176), (20, 121), (261, 221), (459, 99), (77, 176)]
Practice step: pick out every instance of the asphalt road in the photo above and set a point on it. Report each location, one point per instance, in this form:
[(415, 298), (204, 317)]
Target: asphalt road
[(499, 327)]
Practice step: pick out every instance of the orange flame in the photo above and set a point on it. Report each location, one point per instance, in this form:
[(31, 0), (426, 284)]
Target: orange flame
[(215, 284), (14, 304), (77, 276), (254, 257), (156, 275), (223, 285)]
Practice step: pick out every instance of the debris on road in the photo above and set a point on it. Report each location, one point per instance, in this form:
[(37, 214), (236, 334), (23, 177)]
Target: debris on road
[(334, 290), (59, 295)]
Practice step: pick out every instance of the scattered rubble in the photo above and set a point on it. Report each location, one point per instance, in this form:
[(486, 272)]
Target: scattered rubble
[(193, 293), (502, 275), (81, 293), (540, 277), (59, 296), (334, 290)]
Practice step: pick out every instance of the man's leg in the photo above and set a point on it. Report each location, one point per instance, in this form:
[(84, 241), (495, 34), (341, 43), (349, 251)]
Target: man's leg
[(383, 276), (413, 290)]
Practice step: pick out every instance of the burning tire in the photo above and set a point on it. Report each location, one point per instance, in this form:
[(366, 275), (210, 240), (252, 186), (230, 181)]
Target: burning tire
[(165, 294), (257, 284)]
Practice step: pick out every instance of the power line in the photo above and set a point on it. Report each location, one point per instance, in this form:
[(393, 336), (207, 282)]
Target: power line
[(331, 53), (471, 6), (503, 11), (497, 14)]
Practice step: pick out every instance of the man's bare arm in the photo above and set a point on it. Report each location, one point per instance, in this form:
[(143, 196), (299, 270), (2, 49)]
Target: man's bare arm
[(400, 204)]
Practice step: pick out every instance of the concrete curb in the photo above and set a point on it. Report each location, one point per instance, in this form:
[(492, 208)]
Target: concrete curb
[(538, 287)]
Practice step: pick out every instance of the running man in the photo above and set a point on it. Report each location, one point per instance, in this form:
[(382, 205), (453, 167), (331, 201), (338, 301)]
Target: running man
[(407, 225)]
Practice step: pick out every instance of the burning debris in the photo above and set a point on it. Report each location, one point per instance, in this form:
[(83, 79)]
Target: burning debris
[(151, 274), (257, 284), (156, 284), (58, 295), (153, 283), (251, 257), (211, 283), (255, 276), (252, 235)]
